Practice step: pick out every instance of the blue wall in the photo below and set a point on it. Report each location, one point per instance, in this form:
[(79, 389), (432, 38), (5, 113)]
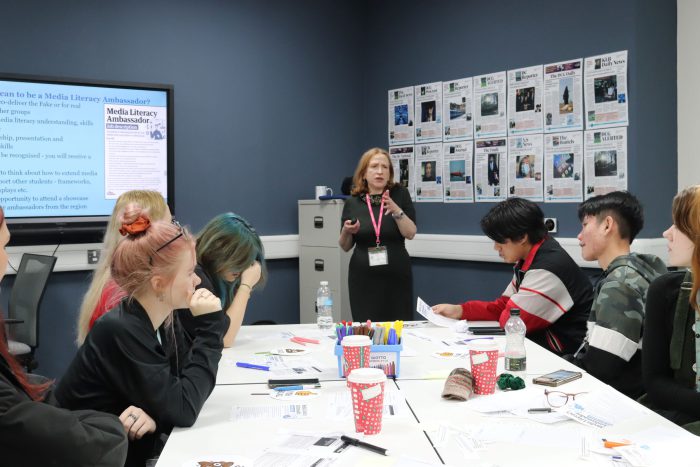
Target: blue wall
[(319, 72), (255, 84), (468, 38)]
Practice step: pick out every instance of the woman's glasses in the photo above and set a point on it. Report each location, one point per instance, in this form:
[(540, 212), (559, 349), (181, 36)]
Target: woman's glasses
[(181, 233), (559, 399)]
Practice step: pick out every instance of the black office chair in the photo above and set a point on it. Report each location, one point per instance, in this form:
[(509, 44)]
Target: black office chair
[(25, 300)]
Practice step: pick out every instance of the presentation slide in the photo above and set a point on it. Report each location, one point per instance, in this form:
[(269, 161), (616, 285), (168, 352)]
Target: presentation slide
[(71, 150)]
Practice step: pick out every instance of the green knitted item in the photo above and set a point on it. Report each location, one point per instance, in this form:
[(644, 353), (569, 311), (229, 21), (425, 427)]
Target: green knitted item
[(508, 381)]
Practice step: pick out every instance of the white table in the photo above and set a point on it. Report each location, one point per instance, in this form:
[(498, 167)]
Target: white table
[(421, 382)]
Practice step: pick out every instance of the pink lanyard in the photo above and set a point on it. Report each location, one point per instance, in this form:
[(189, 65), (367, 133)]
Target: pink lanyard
[(377, 226)]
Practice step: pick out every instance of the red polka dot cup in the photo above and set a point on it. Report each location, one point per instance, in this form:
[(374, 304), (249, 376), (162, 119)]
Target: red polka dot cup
[(356, 351), (483, 357), (367, 391)]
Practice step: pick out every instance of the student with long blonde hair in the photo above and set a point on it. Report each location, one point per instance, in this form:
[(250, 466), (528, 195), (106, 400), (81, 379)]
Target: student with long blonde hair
[(102, 295)]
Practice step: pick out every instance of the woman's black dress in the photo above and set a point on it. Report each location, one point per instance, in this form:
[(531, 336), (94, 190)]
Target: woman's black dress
[(380, 293)]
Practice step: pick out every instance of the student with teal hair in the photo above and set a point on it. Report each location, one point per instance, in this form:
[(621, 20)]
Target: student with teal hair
[(231, 263)]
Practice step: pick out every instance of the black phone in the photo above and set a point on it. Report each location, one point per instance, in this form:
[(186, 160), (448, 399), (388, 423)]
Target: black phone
[(275, 383), (487, 330)]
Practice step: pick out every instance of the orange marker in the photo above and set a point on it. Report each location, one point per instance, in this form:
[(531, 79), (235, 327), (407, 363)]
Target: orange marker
[(615, 444)]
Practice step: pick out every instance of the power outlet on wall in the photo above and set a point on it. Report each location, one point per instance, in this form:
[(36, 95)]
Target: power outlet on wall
[(551, 224), (93, 256)]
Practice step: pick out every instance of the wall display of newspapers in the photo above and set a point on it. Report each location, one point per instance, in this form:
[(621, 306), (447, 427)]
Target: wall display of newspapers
[(563, 167), (490, 103), (400, 116), (525, 163), (457, 184), (428, 172), (606, 90), (605, 161), (542, 109), (458, 110), (563, 96), (428, 112), (525, 87), (490, 162), (403, 162)]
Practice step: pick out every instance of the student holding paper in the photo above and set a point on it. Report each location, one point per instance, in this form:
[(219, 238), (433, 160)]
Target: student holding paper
[(670, 341), (549, 288), (612, 349)]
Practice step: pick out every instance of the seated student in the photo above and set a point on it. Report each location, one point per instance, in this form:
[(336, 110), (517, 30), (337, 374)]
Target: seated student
[(670, 344), (612, 349), (230, 263), (549, 288), (35, 431), (122, 361), (103, 294)]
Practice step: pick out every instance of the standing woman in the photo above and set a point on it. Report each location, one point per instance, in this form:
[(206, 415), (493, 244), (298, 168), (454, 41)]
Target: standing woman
[(122, 367), (34, 431), (670, 344), (376, 220)]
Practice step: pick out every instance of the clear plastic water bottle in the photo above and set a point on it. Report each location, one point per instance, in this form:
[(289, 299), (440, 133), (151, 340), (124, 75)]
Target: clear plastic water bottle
[(324, 306), (515, 344)]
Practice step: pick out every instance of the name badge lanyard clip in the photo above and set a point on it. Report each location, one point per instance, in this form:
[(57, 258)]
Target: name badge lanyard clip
[(378, 255)]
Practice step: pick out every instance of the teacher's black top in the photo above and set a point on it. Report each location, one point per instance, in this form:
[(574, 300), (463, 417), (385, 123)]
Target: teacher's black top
[(380, 293)]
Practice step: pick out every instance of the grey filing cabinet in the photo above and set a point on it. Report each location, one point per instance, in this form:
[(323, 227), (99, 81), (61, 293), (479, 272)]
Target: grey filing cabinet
[(321, 259)]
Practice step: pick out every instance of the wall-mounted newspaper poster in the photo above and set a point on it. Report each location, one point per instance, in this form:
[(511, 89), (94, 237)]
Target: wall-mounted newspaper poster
[(428, 173), (458, 110), (525, 89), (606, 90), (490, 166), (402, 159), (428, 112), (563, 96), (525, 163), (457, 171), (605, 161), (563, 167), (401, 116), (490, 105)]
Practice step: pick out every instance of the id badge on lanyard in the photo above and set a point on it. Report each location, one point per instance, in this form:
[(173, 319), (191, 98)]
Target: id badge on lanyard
[(378, 255)]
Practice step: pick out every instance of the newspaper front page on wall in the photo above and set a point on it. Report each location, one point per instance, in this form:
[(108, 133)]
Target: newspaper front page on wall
[(402, 160), (401, 116), (525, 87), (606, 90), (428, 172), (490, 104), (490, 166), (428, 112), (458, 110), (563, 96), (563, 167), (605, 161), (457, 171), (525, 163)]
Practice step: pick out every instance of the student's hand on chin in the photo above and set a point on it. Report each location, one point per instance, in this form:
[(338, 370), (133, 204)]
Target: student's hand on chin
[(203, 302)]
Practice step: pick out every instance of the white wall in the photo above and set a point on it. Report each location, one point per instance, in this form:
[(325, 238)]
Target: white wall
[(688, 57)]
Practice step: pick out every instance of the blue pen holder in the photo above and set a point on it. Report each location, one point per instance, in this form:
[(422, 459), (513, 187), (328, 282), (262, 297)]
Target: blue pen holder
[(384, 357)]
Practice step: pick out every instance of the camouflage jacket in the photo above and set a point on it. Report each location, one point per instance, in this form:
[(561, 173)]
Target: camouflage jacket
[(612, 348)]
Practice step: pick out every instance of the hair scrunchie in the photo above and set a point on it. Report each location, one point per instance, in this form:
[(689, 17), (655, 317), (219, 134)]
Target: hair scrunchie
[(140, 225)]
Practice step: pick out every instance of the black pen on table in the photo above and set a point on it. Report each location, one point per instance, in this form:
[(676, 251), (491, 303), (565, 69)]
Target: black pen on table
[(363, 445), (539, 410)]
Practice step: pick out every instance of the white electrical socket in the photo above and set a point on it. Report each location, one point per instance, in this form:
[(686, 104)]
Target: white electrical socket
[(551, 224)]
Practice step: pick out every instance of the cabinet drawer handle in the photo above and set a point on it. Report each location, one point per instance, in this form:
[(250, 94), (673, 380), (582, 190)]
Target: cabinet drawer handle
[(319, 264), (318, 222)]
